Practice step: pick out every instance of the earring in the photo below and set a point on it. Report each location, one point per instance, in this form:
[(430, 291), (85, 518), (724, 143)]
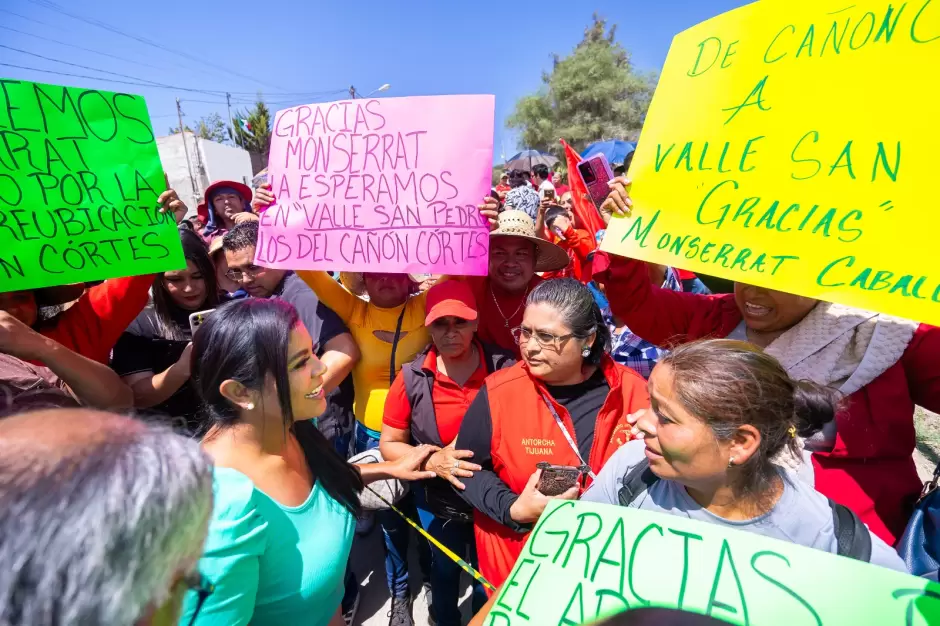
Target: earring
[(585, 353), (731, 462)]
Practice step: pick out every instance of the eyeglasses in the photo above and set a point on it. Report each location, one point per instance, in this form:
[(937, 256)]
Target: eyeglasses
[(250, 272), (547, 340), (203, 588)]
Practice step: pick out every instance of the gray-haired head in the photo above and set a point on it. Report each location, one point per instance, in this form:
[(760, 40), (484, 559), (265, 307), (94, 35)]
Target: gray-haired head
[(99, 516), (576, 306)]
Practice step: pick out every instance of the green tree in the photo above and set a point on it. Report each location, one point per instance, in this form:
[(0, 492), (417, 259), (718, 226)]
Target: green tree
[(211, 127), (592, 94), (258, 138)]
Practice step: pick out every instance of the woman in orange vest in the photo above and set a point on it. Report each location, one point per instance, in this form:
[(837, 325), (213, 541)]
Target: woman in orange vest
[(565, 404)]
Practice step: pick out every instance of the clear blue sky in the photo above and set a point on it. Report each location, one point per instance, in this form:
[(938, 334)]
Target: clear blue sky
[(297, 46)]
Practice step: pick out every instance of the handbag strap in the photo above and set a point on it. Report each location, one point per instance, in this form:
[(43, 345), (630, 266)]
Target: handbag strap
[(391, 365), (564, 431)]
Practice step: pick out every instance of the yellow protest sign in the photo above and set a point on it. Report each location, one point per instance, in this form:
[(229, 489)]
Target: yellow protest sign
[(793, 145)]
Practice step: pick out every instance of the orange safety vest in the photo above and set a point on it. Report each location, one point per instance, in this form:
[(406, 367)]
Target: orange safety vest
[(525, 433)]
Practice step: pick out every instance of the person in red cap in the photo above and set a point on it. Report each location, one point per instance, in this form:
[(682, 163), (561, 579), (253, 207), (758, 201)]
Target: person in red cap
[(427, 403), (225, 201)]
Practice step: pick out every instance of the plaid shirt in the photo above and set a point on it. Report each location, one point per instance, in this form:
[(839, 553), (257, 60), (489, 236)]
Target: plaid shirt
[(629, 349)]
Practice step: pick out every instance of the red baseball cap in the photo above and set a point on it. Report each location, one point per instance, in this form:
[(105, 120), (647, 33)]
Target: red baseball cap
[(450, 298)]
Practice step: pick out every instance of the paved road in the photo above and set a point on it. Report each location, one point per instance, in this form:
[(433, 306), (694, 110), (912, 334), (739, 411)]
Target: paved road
[(369, 566)]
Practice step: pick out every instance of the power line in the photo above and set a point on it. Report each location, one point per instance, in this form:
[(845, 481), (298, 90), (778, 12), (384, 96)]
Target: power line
[(205, 101), (112, 80), (23, 17), (143, 81), (141, 84), (71, 45), (84, 67), (103, 25), (149, 83), (312, 96)]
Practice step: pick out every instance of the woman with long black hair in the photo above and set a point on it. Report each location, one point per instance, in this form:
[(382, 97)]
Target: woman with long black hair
[(152, 356), (285, 501)]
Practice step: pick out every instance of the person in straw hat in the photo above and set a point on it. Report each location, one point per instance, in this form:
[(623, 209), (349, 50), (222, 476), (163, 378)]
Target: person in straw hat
[(516, 254)]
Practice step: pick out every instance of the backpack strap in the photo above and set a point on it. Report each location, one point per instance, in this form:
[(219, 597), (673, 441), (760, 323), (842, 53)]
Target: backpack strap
[(852, 536), (639, 479)]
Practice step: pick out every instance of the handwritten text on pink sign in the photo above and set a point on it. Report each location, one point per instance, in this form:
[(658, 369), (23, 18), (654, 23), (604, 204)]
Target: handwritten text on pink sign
[(387, 185)]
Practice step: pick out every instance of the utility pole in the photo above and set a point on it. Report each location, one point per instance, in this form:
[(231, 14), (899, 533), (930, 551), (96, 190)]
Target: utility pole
[(352, 92), (228, 103), (189, 166)]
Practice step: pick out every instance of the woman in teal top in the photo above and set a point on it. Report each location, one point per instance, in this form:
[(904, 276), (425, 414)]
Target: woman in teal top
[(285, 503)]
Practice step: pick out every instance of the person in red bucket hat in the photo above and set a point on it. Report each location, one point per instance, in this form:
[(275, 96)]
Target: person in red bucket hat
[(427, 402), (225, 200)]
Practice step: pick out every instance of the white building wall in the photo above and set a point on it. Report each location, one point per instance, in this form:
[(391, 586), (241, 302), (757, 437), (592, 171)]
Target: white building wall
[(208, 162), (225, 162)]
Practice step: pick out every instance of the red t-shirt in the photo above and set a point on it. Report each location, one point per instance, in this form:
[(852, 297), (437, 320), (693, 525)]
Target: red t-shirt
[(493, 326), (451, 400), (93, 325)]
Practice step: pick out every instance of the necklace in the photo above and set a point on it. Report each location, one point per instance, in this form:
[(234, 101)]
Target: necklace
[(518, 308)]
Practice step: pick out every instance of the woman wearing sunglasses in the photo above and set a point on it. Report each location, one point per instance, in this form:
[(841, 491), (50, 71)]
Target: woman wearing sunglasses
[(284, 501), (565, 404)]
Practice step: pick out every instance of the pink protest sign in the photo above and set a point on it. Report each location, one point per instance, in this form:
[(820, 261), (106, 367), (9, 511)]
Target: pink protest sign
[(387, 185)]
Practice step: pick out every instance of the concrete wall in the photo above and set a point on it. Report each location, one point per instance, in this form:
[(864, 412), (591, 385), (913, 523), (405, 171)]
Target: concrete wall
[(174, 164), (225, 162), (208, 162)]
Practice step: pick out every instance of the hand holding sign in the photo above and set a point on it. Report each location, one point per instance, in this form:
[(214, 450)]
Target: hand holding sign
[(263, 198), (490, 212), (170, 202)]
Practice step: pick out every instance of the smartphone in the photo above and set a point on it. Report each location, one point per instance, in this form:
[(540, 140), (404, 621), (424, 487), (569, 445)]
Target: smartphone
[(549, 194), (199, 318), (557, 479), (596, 173)]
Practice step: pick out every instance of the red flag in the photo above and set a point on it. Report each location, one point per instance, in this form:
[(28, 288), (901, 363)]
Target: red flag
[(583, 205)]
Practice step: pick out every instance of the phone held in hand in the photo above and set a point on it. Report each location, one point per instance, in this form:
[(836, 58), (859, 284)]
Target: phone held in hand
[(596, 173), (557, 479), (199, 318)]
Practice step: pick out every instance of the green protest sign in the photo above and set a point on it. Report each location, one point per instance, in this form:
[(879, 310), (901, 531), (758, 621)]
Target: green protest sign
[(587, 561), (79, 182)]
